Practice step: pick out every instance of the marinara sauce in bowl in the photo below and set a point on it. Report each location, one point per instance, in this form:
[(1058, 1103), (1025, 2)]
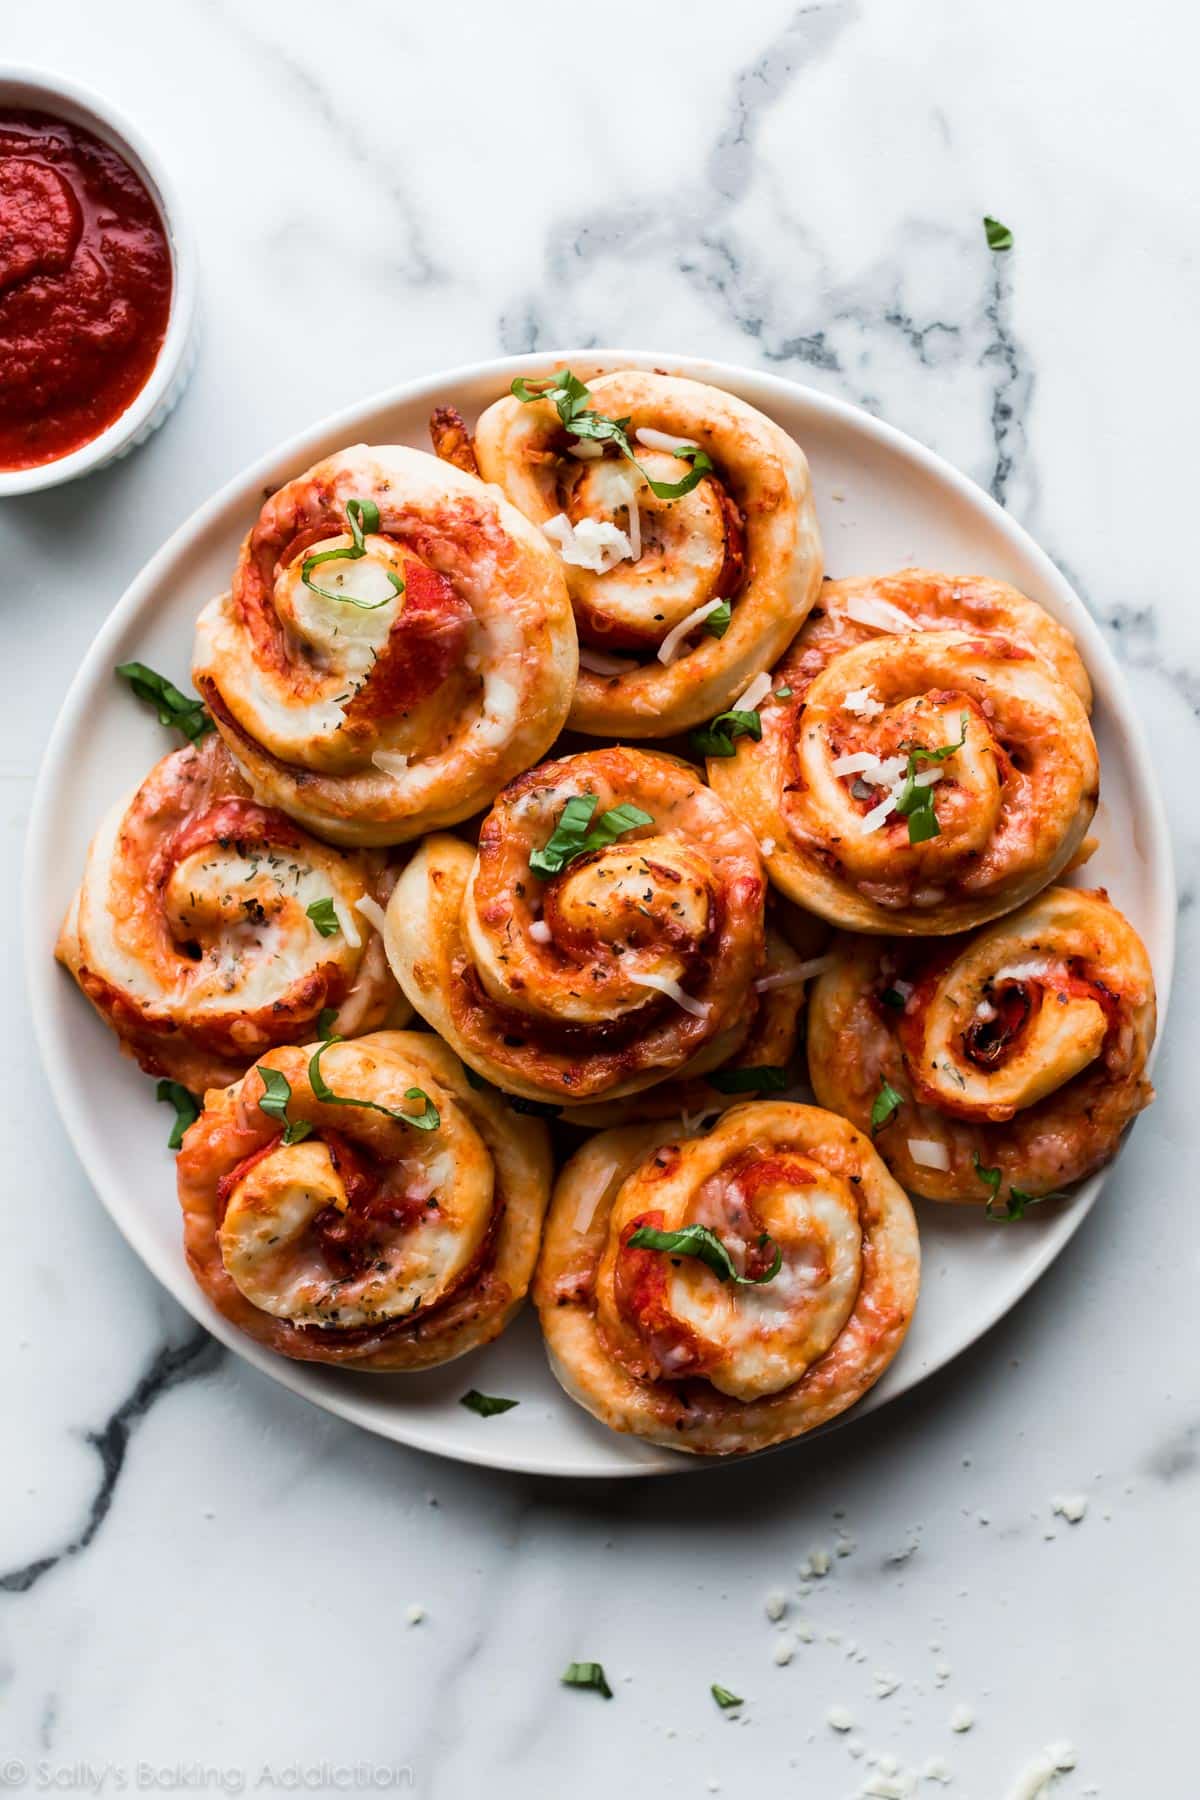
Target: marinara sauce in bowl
[(96, 286)]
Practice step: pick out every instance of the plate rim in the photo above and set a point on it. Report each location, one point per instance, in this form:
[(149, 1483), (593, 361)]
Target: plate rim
[(42, 974)]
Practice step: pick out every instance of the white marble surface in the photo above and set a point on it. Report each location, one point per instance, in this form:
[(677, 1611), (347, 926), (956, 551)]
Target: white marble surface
[(206, 1580)]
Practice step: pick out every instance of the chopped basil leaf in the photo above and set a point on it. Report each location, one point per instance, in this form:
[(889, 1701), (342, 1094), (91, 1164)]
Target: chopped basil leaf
[(572, 839), (569, 397), (783, 693), (763, 1080), (1018, 1203), (587, 1675), (486, 1405), (999, 237), (323, 916), (887, 1102), (186, 712), (699, 1241), (362, 516), (428, 1119), (990, 1177), (916, 803), (891, 998), (717, 622), (717, 739), (325, 1021), (724, 1698), (187, 1109), (276, 1098)]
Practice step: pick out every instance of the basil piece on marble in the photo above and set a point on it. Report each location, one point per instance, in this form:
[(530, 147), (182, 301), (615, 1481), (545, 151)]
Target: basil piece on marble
[(587, 1675), (999, 237)]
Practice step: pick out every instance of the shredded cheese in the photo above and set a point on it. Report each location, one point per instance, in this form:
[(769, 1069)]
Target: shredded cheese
[(601, 664), (346, 921), (392, 762), (666, 984), (590, 544), (928, 1153), (372, 912), (751, 697), (592, 1195), (862, 703), (540, 932), (877, 816), (669, 647), (805, 971), (865, 609), (587, 450), (662, 440)]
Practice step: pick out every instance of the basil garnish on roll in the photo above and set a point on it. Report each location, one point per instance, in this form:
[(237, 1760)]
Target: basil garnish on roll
[(717, 739), (915, 799), (570, 397), (706, 1246), (323, 914), (362, 517), (275, 1100), (887, 1102), (428, 1119), (572, 838)]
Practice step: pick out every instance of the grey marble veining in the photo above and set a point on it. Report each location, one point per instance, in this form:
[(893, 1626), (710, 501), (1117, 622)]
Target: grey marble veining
[(201, 1574)]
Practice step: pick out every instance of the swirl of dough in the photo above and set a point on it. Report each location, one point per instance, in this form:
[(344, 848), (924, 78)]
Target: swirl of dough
[(665, 1345), (193, 931), (921, 783), (630, 958), (763, 1063), (364, 1240), (869, 606), (396, 645), (1016, 1055), (646, 572)]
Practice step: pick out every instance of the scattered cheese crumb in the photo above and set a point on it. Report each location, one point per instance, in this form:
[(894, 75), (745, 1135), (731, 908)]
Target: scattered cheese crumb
[(884, 1684), (784, 1651), (415, 1614), (776, 1604), (1071, 1506), (819, 1561), (962, 1719), (936, 1768), (840, 1718), (1036, 1778), (943, 1672)]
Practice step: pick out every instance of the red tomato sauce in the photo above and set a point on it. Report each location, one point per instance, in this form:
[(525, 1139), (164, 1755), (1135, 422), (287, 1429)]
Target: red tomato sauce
[(85, 287)]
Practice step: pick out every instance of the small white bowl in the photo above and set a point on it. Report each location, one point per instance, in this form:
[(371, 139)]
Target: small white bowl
[(38, 91)]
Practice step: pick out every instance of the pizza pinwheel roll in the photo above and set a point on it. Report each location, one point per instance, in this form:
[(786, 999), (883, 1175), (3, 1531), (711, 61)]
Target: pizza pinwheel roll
[(998, 1066), (396, 645), (606, 934), (726, 1292), (686, 527), (921, 783), (362, 1204), (208, 928)]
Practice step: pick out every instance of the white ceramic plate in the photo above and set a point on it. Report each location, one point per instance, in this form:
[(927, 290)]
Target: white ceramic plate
[(884, 502)]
